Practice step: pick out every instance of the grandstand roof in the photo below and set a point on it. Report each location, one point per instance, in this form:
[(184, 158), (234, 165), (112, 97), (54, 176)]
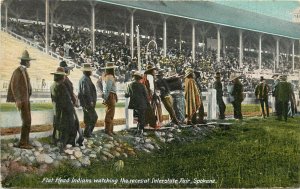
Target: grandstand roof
[(215, 13)]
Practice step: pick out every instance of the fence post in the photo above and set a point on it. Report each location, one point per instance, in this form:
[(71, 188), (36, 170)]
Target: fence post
[(212, 104)]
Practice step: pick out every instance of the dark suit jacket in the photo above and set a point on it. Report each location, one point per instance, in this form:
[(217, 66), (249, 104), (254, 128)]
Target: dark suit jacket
[(138, 96), (237, 92), (19, 87), (262, 91), (87, 92)]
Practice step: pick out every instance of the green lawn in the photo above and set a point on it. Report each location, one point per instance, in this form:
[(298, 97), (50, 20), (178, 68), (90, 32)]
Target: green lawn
[(253, 153), (7, 107)]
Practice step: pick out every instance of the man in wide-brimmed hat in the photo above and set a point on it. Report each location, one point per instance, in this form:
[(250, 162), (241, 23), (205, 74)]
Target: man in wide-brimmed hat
[(166, 98), (262, 94), (138, 100), (275, 77), (283, 93), (219, 88), (19, 91), (74, 98), (64, 122), (109, 96), (154, 113), (238, 96), (88, 96), (192, 97)]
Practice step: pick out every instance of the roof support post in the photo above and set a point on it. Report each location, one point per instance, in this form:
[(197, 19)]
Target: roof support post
[(6, 18), (132, 33), (193, 41), (93, 25), (1, 14), (165, 37), (47, 26), (125, 32), (293, 55), (180, 39), (241, 48), (277, 53), (259, 50), (219, 43)]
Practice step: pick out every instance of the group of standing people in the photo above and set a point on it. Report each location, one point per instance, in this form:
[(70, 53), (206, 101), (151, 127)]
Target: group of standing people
[(180, 96)]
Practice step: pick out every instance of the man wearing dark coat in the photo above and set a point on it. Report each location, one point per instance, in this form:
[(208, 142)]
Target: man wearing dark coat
[(274, 88), (166, 98), (219, 88), (64, 122), (283, 93), (138, 100), (74, 98), (88, 96), (261, 93), (19, 91), (237, 93)]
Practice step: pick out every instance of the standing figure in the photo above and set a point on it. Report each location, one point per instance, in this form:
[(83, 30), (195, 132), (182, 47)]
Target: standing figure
[(138, 100), (88, 96), (176, 90), (165, 96), (154, 112), (238, 97), (261, 93), (65, 128), (192, 96), (74, 98), (274, 93), (201, 108), (219, 88), (283, 93), (109, 97), (19, 91)]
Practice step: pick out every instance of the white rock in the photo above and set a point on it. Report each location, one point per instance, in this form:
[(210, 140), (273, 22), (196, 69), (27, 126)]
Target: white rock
[(157, 134), (170, 135), (108, 146), (69, 152), (103, 158), (36, 143), (76, 149), (145, 150), (148, 140), (149, 146), (68, 146), (36, 153), (10, 145), (78, 154), (72, 157), (125, 155), (93, 155), (107, 154), (82, 147), (86, 161), (170, 139), (48, 159)]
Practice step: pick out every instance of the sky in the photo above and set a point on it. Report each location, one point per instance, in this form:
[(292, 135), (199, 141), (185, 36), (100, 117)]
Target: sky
[(281, 9)]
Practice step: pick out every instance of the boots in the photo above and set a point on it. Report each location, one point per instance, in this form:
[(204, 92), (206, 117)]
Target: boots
[(108, 129)]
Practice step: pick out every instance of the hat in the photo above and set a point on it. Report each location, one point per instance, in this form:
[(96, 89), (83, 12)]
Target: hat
[(110, 65), (25, 56), (65, 66), (233, 77), (218, 75), (138, 74), (275, 75), (59, 71), (149, 69), (283, 77), (86, 67), (188, 72)]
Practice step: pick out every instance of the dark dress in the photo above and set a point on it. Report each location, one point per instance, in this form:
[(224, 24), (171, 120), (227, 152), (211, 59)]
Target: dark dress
[(64, 114), (238, 96), (220, 102)]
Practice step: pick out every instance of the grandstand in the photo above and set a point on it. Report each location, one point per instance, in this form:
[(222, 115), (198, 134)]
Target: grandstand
[(40, 68)]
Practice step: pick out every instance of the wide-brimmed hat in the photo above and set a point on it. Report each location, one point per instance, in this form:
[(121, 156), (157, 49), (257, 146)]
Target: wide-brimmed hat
[(25, 56), (234, 76), (110, 65), (87, 67), (65, 66), (137, 74), (275, 75), (149, 68), (188, 72), (59, 71), (262, 78)]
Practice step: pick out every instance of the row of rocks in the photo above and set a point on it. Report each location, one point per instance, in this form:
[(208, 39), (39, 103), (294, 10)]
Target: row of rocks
[(100, 147)]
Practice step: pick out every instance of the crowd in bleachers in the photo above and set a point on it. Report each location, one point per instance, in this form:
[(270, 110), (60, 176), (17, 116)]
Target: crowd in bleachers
[(75, 43)]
